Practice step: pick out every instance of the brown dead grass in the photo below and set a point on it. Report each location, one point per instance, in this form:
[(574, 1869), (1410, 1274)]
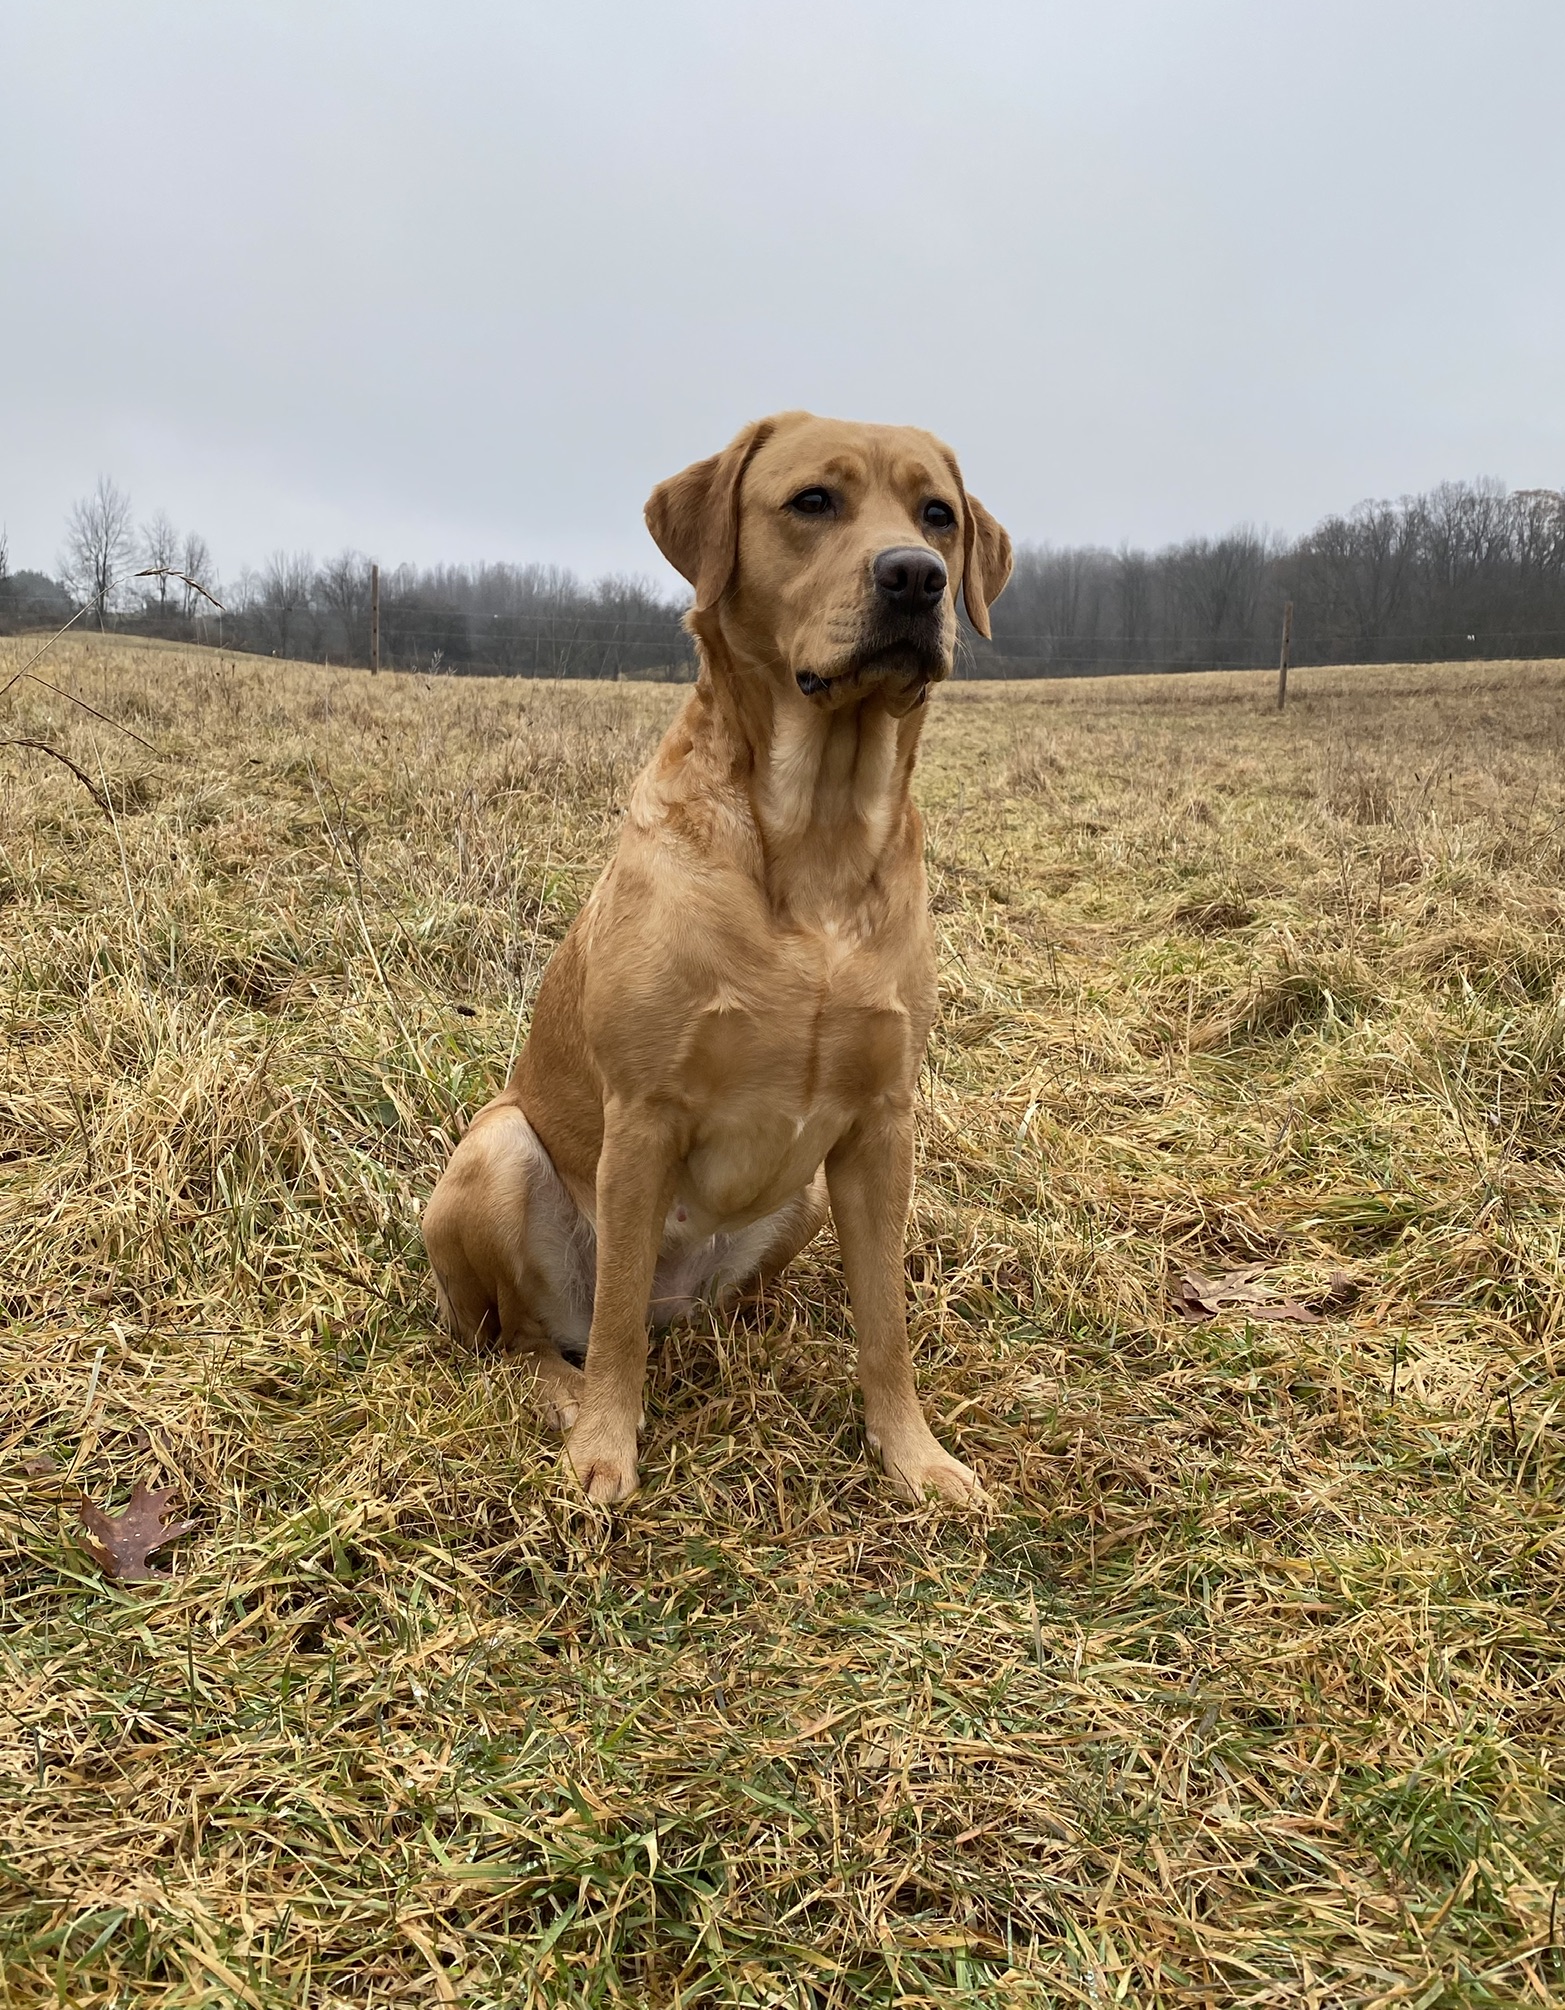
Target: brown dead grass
[(1248, 1690)]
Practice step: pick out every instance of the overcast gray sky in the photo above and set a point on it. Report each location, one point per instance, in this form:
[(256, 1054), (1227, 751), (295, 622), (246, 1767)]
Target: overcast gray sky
[(462, 281)]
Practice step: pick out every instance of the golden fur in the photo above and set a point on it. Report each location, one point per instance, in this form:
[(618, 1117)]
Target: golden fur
[(729, 1037)]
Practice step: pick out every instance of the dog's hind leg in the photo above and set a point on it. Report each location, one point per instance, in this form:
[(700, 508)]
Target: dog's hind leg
[(511, 1253)]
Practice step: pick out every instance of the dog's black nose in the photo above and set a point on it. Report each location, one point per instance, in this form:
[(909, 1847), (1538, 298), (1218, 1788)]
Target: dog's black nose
[(910, 575)]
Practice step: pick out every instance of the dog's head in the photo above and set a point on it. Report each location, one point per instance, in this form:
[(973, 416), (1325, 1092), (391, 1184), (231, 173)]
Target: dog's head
[(830, 555)]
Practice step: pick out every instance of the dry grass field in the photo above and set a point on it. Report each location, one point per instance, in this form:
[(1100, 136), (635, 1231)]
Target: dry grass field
[(1250, 1686)]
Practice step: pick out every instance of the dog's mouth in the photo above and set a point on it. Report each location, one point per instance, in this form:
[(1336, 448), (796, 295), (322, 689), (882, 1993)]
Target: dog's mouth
[(903, 666)]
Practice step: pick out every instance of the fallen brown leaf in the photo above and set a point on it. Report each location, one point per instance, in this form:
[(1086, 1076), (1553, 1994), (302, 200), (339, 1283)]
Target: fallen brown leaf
[(125, 1541), (1197, 1298), (1200, 1297)]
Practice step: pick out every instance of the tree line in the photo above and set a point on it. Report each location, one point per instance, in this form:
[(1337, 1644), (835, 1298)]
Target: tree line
[(496, 620), (1470, 569), (506, 620)]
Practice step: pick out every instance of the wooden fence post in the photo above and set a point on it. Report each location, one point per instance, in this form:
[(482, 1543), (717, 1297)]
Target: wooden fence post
[(1287, 651), (375, 620)]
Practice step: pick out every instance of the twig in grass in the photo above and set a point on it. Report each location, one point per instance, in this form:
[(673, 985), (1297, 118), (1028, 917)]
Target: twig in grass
[(71, 699), (169, 572), (43, 747), (130, 891), (363, 1284), (40, 653), (92, 1379)]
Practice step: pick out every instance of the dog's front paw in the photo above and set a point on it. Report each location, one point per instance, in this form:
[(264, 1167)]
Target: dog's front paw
[(916, 1463), (604, 1460)]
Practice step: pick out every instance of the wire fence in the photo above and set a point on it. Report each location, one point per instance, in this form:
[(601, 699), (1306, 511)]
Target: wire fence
[(580, 638), (593, 647)]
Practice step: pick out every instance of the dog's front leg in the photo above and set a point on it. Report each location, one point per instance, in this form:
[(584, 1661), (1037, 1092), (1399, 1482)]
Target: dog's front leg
[(635, 1186), (870, 1178)]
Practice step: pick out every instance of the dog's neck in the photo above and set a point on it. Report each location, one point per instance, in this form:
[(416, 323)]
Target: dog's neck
[(828, 792)]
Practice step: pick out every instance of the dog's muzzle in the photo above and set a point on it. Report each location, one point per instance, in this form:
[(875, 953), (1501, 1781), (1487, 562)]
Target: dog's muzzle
[(900, 667), (903, 640)]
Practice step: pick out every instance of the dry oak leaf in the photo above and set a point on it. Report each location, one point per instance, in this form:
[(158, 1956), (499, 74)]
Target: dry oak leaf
[(1197, 1297), (125, 1541)]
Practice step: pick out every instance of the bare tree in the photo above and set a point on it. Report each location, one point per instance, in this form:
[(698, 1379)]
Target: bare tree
[(160, 551), (344, 587), (285, 592), (97, 543), (1218, 581), (1539, 516), (1133, 578)]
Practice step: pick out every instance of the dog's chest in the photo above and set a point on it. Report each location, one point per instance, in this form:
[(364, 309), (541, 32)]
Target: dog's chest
[(786, 1055)]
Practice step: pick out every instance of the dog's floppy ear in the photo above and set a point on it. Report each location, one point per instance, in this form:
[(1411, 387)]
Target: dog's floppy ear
[(986, 562), (694, 516)]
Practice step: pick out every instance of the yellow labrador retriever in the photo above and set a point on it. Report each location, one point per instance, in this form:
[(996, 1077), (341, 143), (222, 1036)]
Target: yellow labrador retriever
[(729, 1037)]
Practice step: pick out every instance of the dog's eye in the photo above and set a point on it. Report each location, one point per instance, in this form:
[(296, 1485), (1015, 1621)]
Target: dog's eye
[(811, 502), (939, 515)]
